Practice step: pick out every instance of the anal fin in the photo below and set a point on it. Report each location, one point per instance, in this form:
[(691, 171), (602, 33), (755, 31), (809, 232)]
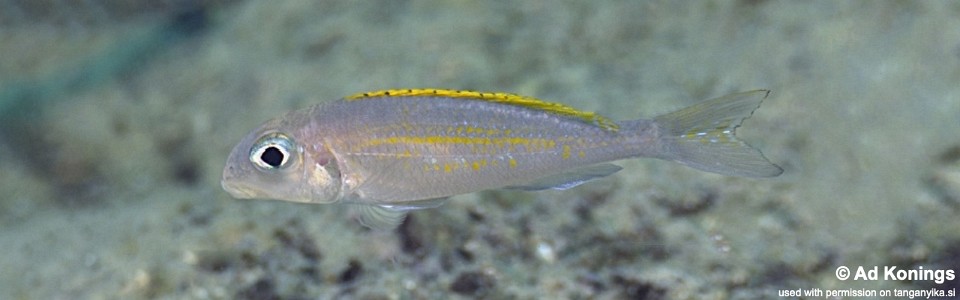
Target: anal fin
[(569, 179)]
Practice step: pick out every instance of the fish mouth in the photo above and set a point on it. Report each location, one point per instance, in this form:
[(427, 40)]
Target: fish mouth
[(237, 190), (231, 183)]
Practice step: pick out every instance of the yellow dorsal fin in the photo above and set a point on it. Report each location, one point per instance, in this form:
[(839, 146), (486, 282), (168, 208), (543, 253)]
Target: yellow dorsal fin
[(504, 98)]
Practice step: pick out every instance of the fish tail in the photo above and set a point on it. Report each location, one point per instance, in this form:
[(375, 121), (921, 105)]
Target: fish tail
[(703, 136)]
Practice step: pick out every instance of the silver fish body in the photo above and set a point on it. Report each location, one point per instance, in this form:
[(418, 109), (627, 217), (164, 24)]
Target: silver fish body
[(397, 150)]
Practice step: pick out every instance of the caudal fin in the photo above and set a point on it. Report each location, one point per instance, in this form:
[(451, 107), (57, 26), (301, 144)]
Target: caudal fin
[(703, 136)]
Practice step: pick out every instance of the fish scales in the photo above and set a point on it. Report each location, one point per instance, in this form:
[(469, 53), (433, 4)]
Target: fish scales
[(406, 145), (393, 151)]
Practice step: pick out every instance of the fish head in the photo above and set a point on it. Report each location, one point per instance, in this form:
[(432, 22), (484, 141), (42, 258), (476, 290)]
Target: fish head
[(272, 163)]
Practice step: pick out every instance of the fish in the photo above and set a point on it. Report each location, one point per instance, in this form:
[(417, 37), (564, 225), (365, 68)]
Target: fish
[(394, 151)]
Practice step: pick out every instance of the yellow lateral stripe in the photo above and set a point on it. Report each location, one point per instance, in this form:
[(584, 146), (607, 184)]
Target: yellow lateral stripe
[(504, 98), (438, 140)]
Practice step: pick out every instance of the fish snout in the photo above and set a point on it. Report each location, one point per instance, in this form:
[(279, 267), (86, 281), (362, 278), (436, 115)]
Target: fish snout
[(231, 184)]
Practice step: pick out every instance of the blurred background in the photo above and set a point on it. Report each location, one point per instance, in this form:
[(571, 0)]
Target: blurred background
[(117, 116)]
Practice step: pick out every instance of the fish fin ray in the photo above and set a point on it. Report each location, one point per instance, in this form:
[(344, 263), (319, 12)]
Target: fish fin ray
[(569, 179), (496, 97), (374, 188), (419, 204), (703, 136), (380, 217)]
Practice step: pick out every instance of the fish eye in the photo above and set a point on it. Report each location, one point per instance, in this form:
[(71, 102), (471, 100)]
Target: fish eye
[(272, 152)]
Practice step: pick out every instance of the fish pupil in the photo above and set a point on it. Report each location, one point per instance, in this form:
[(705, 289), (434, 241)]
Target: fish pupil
[(272, 156)]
